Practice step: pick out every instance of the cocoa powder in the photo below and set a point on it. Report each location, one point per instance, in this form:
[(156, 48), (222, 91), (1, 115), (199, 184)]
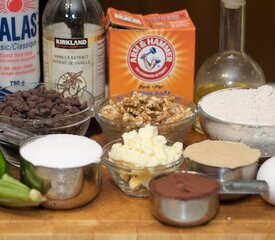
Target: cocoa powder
[(184, 186)]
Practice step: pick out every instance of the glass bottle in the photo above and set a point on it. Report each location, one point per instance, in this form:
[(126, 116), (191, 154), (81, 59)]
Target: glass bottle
[(74, 45), (231, 66)]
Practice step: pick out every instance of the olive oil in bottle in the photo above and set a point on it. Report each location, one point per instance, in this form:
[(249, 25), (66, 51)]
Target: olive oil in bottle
[(231, 66)]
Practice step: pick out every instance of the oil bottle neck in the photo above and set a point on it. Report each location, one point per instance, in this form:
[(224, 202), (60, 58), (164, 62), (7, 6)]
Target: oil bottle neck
[(232, 25)]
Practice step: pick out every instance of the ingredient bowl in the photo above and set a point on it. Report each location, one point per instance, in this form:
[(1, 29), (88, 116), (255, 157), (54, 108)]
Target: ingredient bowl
[(260, 136), (51, 110), (223, 174), (184, 199), (133, 180), (223, 160), (173, 115), (42, 111), (70, 183)]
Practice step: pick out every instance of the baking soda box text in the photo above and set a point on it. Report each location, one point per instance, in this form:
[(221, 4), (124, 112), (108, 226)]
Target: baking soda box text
[(152, 54)]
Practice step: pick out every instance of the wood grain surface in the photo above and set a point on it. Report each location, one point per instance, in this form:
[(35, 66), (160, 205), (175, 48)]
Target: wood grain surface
[(114, 215)]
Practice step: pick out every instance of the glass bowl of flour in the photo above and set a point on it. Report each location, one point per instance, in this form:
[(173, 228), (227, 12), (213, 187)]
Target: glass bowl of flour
[(241, 115)]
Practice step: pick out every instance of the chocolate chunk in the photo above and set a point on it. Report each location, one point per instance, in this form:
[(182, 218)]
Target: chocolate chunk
[(61, 108), (32, 104), (54, 112), (15, 104), (49, 104), (23, 108), (32, 98), (11, 97), (44, 112), (7, 111), (2, 106), (33, 113), (16, 115)]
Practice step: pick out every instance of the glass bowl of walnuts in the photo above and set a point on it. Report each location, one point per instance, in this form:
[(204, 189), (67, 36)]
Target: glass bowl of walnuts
[(173, 115)]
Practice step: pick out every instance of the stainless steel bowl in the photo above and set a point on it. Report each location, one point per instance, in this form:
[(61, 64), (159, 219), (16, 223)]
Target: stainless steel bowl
[(64, 188), (223, 174), (184, 213)]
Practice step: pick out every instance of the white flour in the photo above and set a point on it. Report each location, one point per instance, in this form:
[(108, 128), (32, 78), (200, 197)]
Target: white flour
[(62, 151), (244, 106)]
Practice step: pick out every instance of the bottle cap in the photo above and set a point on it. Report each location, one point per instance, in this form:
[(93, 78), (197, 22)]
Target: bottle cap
[(233, 4)]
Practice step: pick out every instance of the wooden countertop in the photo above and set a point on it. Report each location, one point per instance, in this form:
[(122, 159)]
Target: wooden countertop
[(114, 215)]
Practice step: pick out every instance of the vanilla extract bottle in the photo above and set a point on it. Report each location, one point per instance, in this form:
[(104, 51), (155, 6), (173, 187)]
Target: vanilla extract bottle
[(231, 66), (74, 46)]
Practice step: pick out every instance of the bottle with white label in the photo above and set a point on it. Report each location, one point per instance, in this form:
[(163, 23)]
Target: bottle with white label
[(74, 46), (19, 43)]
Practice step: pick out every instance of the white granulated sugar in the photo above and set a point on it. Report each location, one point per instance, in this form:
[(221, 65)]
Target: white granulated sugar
[(243, 106), (62, 151)]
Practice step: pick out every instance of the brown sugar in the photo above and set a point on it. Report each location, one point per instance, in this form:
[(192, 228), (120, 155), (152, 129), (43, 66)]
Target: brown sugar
[(222, 153)]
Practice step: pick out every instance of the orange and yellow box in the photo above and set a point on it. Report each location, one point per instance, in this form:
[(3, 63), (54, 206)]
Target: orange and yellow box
[(152, 54)]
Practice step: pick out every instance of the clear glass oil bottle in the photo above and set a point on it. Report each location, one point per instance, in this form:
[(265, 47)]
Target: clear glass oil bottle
[(231, 66)]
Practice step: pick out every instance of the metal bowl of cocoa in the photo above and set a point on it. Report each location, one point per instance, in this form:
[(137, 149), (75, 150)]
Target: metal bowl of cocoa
[(184, 199)]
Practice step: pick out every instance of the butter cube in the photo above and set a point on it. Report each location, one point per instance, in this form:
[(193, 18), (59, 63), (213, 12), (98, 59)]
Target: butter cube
[(131, 140), (148, 132), (160, 154), (115, 151), (159, 140), (130, 156), (147, 146)]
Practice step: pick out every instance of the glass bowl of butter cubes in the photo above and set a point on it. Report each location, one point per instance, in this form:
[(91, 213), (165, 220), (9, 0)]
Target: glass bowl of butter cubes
[(138, 157)]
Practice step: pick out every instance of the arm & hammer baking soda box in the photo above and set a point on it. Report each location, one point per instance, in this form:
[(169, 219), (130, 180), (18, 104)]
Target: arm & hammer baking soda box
[(152, 54)]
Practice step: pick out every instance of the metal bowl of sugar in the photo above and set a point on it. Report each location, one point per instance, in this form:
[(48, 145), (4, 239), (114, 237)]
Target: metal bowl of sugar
[(65, 168), (67, 185), (217, 120)]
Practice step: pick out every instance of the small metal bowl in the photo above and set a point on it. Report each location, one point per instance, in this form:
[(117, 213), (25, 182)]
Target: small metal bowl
[(64, 188), (184, 213), (223, 174)]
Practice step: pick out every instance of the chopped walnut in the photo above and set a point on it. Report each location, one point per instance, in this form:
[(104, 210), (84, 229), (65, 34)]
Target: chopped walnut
[(140, 109)]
